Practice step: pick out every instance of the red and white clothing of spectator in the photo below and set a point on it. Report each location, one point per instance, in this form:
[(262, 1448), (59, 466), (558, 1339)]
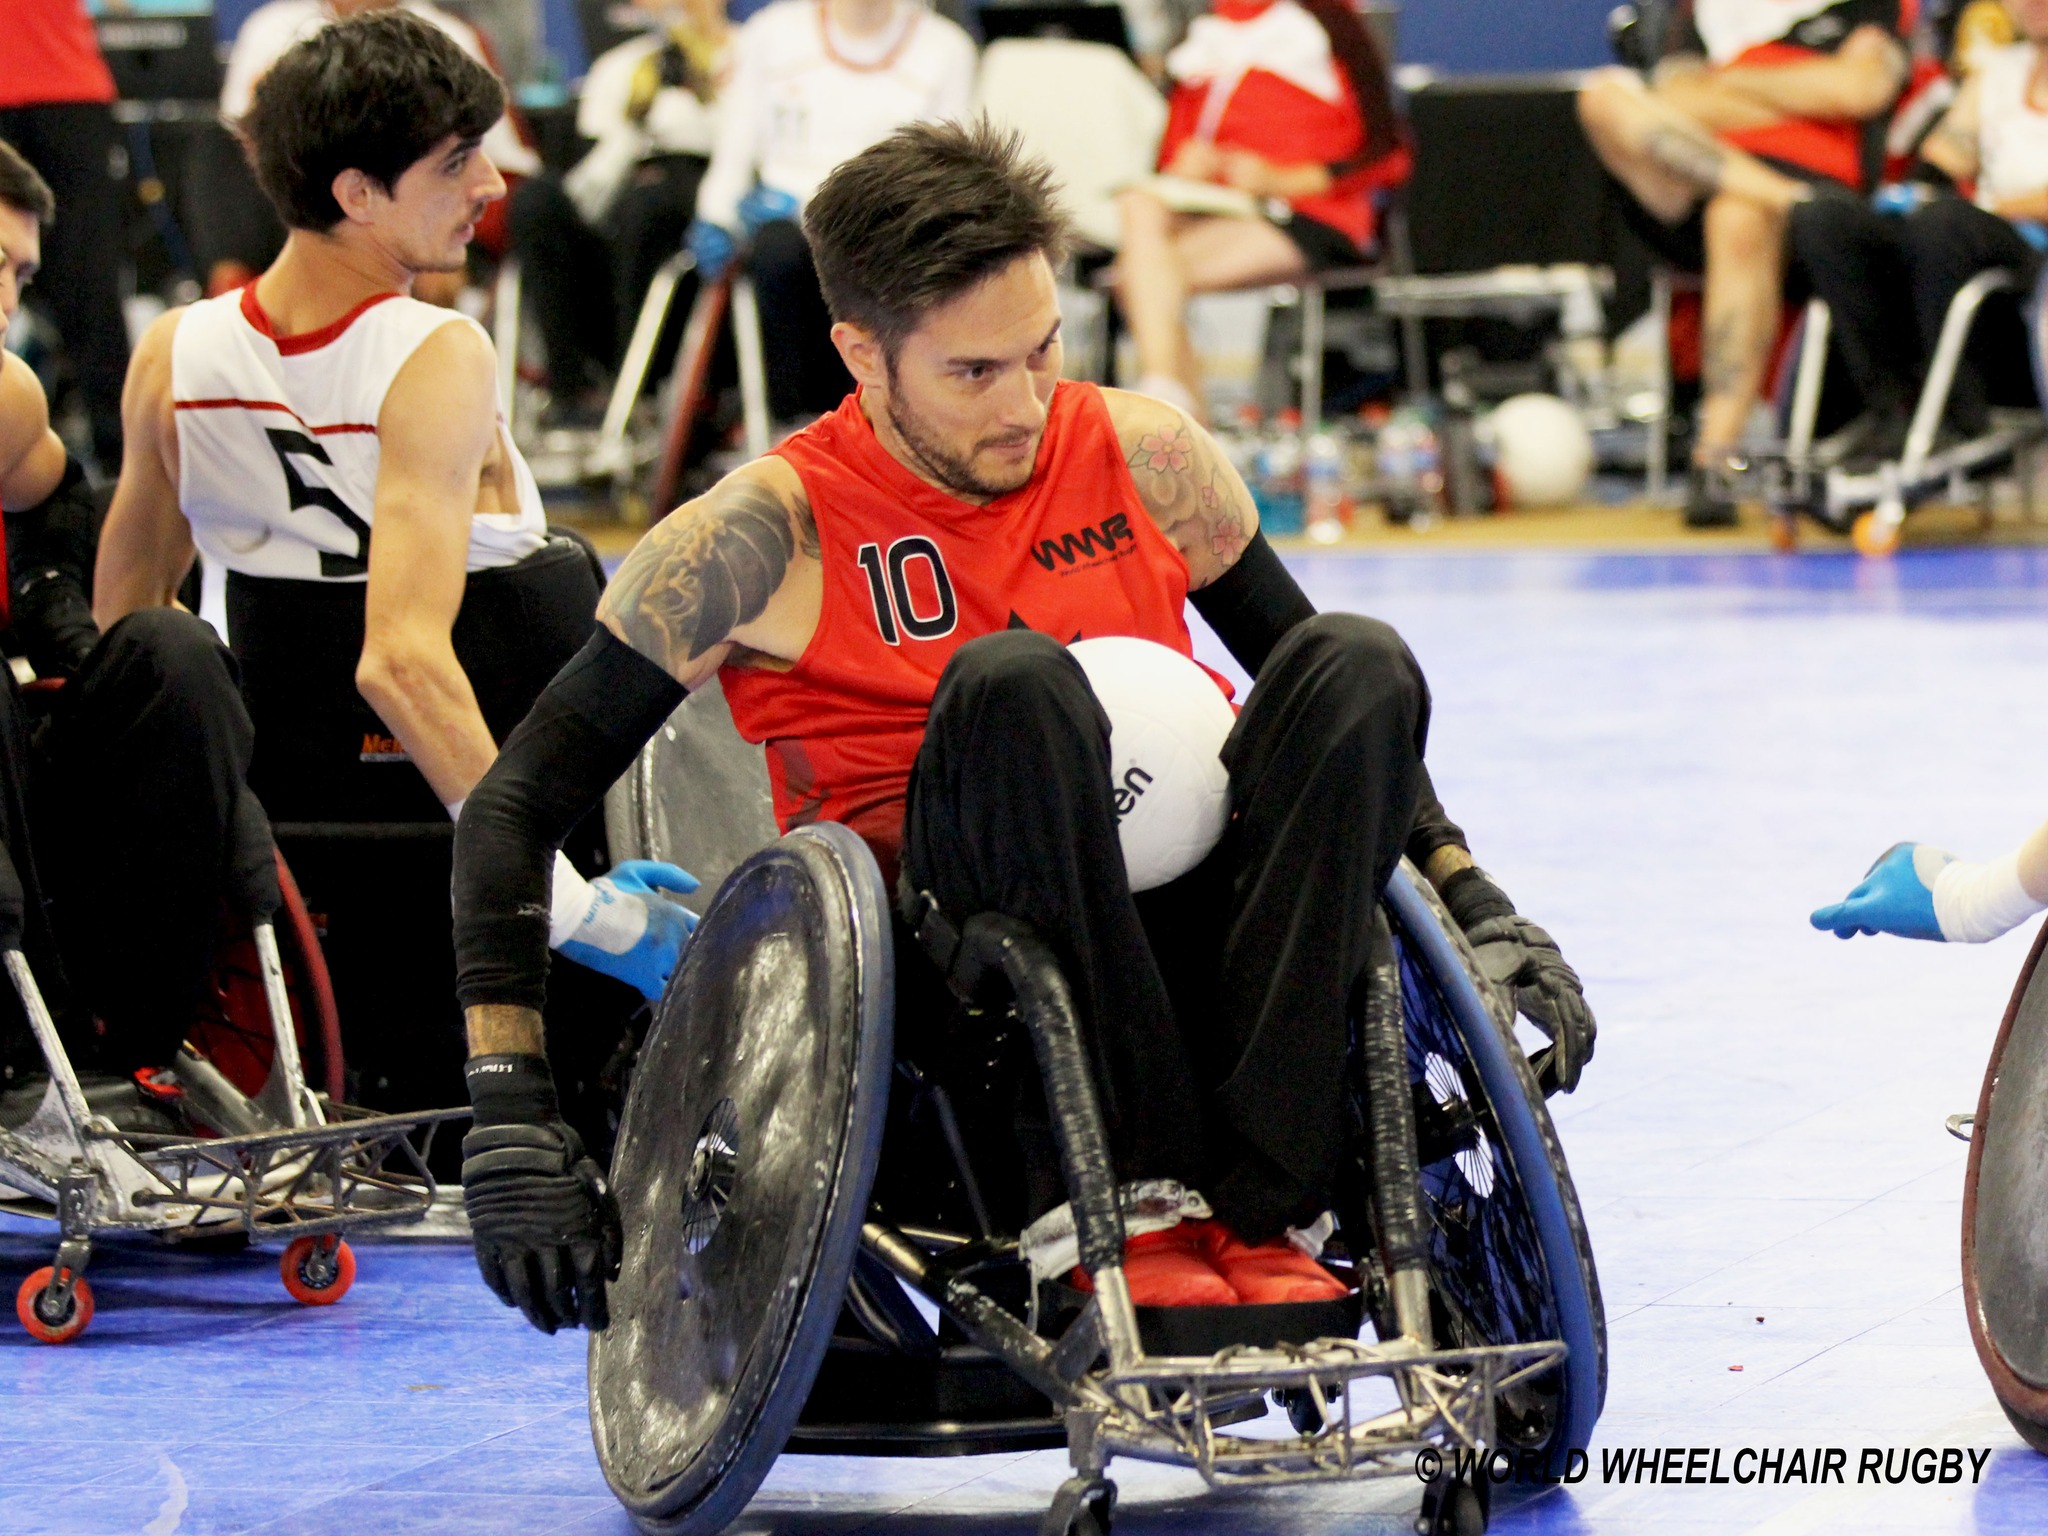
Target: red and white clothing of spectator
[(1768, 34), (1259, 75), (48, 55)]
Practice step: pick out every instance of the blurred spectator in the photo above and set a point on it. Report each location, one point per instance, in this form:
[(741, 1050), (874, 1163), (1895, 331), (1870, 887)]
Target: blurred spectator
[(1889, 276), (235, 232), (1749, 108), (589, 243), (56, 100), (814, 81), (1280, 128)]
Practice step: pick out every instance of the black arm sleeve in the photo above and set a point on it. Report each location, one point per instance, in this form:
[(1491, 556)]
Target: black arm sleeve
[(1253, 604), (50, 549), (582, 733)]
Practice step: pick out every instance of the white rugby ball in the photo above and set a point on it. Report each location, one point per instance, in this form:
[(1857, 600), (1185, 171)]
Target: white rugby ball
[(1168, 721)]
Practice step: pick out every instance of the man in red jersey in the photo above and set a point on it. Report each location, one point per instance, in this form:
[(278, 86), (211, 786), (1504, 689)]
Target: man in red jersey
[(887, 600)]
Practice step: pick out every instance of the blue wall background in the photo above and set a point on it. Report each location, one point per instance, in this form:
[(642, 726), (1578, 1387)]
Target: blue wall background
[(1504, 36)]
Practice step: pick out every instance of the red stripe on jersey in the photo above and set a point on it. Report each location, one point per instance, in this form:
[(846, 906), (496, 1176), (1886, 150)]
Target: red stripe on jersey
[(305, 341), (272, 405)]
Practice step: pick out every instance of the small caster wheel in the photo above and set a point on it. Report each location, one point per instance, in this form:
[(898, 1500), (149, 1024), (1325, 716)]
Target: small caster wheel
[(1303, 1411), (1785, 532), (1454, 1507), (318, 1270), (50, 1322), (1874, 536), (1084, 1506)]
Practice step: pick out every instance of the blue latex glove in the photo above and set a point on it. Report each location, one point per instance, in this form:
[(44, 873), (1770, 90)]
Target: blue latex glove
[(1901, 197), (2034, 232), (630, 930), (1896, 896), (712, 245), (764, 205)]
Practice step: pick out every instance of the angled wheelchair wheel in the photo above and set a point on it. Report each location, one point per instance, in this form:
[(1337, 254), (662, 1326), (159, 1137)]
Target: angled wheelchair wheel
[(743, 1169), (2005, 1192), (1509, 1257), (233, 1028)]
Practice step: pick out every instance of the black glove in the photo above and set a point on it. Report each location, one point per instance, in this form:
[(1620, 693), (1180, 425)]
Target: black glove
[(1515, 953), (546, 1228)]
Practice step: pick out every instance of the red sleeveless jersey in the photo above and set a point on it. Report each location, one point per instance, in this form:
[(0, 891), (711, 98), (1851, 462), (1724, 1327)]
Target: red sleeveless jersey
[(912, 574)]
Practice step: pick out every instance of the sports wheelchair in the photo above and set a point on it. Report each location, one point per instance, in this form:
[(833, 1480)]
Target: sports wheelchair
[(229, 1144), (1871, 505), (811, 1263), (2005, 1267)]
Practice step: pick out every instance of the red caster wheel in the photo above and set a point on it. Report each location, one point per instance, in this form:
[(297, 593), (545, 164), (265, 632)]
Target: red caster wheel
[(318, 1270), (43, 1324), (1875, 537)]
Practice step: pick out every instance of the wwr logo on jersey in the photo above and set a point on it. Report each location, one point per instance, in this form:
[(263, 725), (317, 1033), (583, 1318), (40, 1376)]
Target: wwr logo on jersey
[(1091, 544)]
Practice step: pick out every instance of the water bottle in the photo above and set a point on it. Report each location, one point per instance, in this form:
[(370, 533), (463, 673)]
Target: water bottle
[(1326, 508), (1280, 478), (1411, 468)]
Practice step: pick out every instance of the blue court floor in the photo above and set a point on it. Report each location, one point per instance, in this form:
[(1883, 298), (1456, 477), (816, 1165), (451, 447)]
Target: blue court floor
[(1666, 760)]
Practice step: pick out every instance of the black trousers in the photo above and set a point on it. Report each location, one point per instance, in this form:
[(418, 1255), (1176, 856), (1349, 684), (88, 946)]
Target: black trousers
[(805, 375), (140, 805), (1216, 1005), (73, 146), (586, 285), (1889, 282)]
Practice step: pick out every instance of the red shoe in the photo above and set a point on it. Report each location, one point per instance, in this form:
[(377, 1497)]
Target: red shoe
[(1271, 1273), (1167, 1269)]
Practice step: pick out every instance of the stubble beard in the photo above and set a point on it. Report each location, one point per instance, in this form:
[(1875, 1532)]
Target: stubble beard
[(949, 469)]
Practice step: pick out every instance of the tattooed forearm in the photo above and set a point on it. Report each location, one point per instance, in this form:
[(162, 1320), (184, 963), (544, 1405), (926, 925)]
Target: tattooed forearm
[(1728, 356), (699, 576), (1692, 157), (1194, 497)]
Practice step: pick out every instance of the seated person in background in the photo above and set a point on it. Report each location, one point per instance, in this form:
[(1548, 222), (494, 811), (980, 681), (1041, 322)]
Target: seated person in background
[(589, 243), (1757, 106), (1287, 105), (961, 739), (394, 601), (813, 82), (142, 763), (1889, 279), (234, 229)]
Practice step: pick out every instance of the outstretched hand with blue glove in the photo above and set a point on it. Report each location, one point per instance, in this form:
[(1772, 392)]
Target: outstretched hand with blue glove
[(712, 245), (1896, 896), (621, 924)]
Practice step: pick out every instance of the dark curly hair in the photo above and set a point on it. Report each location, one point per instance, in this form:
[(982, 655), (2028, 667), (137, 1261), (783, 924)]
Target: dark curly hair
[(922, 217), (373, 94)]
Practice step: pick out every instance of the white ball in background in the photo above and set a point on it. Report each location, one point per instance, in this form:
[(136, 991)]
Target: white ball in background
[(1543, 453), (1168, 721)]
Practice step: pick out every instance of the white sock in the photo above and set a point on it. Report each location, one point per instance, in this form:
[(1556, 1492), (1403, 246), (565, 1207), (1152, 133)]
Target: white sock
[(1975, 903)]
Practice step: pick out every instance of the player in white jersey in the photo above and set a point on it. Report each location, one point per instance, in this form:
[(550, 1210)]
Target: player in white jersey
[(394, 600), (1889, 280)]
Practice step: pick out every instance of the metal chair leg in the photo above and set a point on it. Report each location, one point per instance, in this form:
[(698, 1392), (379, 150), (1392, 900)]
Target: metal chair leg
[(746, 335)]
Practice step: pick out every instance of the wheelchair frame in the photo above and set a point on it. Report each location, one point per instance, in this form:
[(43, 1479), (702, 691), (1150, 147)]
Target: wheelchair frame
[(1110, 1395), (2002, 1190), (1872, 506), (328, 1169)]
